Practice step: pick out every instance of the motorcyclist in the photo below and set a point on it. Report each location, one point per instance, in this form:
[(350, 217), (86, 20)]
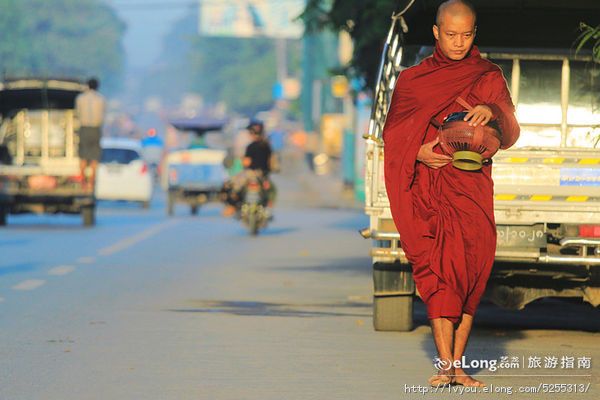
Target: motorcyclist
[(257, 164)]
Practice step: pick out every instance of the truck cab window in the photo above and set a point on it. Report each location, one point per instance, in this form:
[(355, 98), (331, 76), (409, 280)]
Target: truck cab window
[(538, 108), (583, 115)]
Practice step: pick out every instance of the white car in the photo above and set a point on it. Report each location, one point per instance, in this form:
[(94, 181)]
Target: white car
[(122, 173)]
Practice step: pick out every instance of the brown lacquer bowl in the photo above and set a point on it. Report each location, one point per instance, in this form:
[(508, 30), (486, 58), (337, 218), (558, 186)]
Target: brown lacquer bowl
[(469, 146)]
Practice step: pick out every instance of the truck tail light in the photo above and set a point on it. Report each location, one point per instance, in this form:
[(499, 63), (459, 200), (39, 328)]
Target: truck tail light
[(144, 169), (75, 179), (589, 231)]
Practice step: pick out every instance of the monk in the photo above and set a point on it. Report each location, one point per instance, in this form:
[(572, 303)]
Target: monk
[(445, 216)]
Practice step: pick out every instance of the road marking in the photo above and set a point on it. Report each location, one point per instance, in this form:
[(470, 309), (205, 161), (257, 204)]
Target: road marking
[(29, 284), (133, 240), (86, 260), (61, 270), (1, 299)]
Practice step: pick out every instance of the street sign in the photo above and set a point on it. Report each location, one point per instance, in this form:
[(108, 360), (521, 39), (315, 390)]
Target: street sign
[(251, 18)]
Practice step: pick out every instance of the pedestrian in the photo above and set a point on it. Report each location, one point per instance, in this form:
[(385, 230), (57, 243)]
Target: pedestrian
[(445, 216), (90, 106), (310, 150)]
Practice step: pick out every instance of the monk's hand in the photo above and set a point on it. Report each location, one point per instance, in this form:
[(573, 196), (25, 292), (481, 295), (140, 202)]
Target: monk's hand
[(430, 158), (479, 115)]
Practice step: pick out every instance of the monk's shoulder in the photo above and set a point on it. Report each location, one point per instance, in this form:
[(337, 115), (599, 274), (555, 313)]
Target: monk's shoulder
[(412, 72), (493, 71)]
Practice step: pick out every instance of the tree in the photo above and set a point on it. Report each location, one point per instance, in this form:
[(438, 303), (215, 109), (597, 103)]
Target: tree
[(367, 22), (239, 72), (61, 38), (591, 35)]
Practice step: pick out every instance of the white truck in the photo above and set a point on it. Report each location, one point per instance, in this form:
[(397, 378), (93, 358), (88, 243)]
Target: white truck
[(194, 175), (547, 187)]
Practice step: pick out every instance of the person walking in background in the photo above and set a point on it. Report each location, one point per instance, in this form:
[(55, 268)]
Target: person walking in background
[(310, 149), (91, 107)]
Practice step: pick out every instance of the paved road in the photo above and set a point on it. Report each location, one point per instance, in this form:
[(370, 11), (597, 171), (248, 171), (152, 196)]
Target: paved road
[(146, 307)]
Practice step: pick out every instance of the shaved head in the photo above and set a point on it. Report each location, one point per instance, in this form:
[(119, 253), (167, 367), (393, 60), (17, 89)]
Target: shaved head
[(454, 8), (455, 29)]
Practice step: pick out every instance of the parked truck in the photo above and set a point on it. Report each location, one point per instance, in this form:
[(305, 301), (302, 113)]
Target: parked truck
[(39, 163), (547, 187)]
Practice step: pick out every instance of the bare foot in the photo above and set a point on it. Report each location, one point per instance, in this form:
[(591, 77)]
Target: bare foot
[(441, 378), (461, 378)]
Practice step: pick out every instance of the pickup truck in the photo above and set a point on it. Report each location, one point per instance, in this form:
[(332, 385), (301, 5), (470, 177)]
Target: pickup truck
[(194, 175), (547, 187), (39, 163)]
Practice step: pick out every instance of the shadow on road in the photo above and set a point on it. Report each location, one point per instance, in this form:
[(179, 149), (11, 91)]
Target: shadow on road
[(353, 222), (18, 268), (276, 231), (255, 308), (60, 224), (354, 265)]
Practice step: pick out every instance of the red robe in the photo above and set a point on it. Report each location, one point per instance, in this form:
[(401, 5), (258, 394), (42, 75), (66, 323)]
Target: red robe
[(445, 217)]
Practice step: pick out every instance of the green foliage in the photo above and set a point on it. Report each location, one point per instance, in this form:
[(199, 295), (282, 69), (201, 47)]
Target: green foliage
[(61, 38), (367, 22), (240, 72), (591, 35)]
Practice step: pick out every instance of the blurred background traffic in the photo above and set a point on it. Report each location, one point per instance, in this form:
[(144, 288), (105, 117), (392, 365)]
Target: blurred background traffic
[(169, 67)]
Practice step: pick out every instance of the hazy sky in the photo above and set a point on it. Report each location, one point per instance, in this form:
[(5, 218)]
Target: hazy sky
[(148, 21)]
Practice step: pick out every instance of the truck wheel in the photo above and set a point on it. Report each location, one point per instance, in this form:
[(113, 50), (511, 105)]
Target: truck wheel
[(194, 209), (3, 214), (89, 215), (171, 204), (393, 313)]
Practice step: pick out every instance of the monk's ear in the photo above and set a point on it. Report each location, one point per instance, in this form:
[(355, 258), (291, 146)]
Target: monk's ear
[(436, 32)]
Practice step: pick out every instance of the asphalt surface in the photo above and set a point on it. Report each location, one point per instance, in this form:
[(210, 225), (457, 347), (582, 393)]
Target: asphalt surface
[(143, 306)]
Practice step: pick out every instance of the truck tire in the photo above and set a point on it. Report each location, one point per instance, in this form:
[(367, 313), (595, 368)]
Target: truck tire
[(194, 209), (393, 313), (3, 214), (88, 214), (170, 204)]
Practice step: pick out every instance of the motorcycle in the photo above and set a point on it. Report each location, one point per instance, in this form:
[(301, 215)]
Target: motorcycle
[(254, 212)]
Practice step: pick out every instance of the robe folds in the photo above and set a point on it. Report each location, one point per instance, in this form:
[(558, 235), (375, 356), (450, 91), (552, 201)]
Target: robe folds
[(445, 216)]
